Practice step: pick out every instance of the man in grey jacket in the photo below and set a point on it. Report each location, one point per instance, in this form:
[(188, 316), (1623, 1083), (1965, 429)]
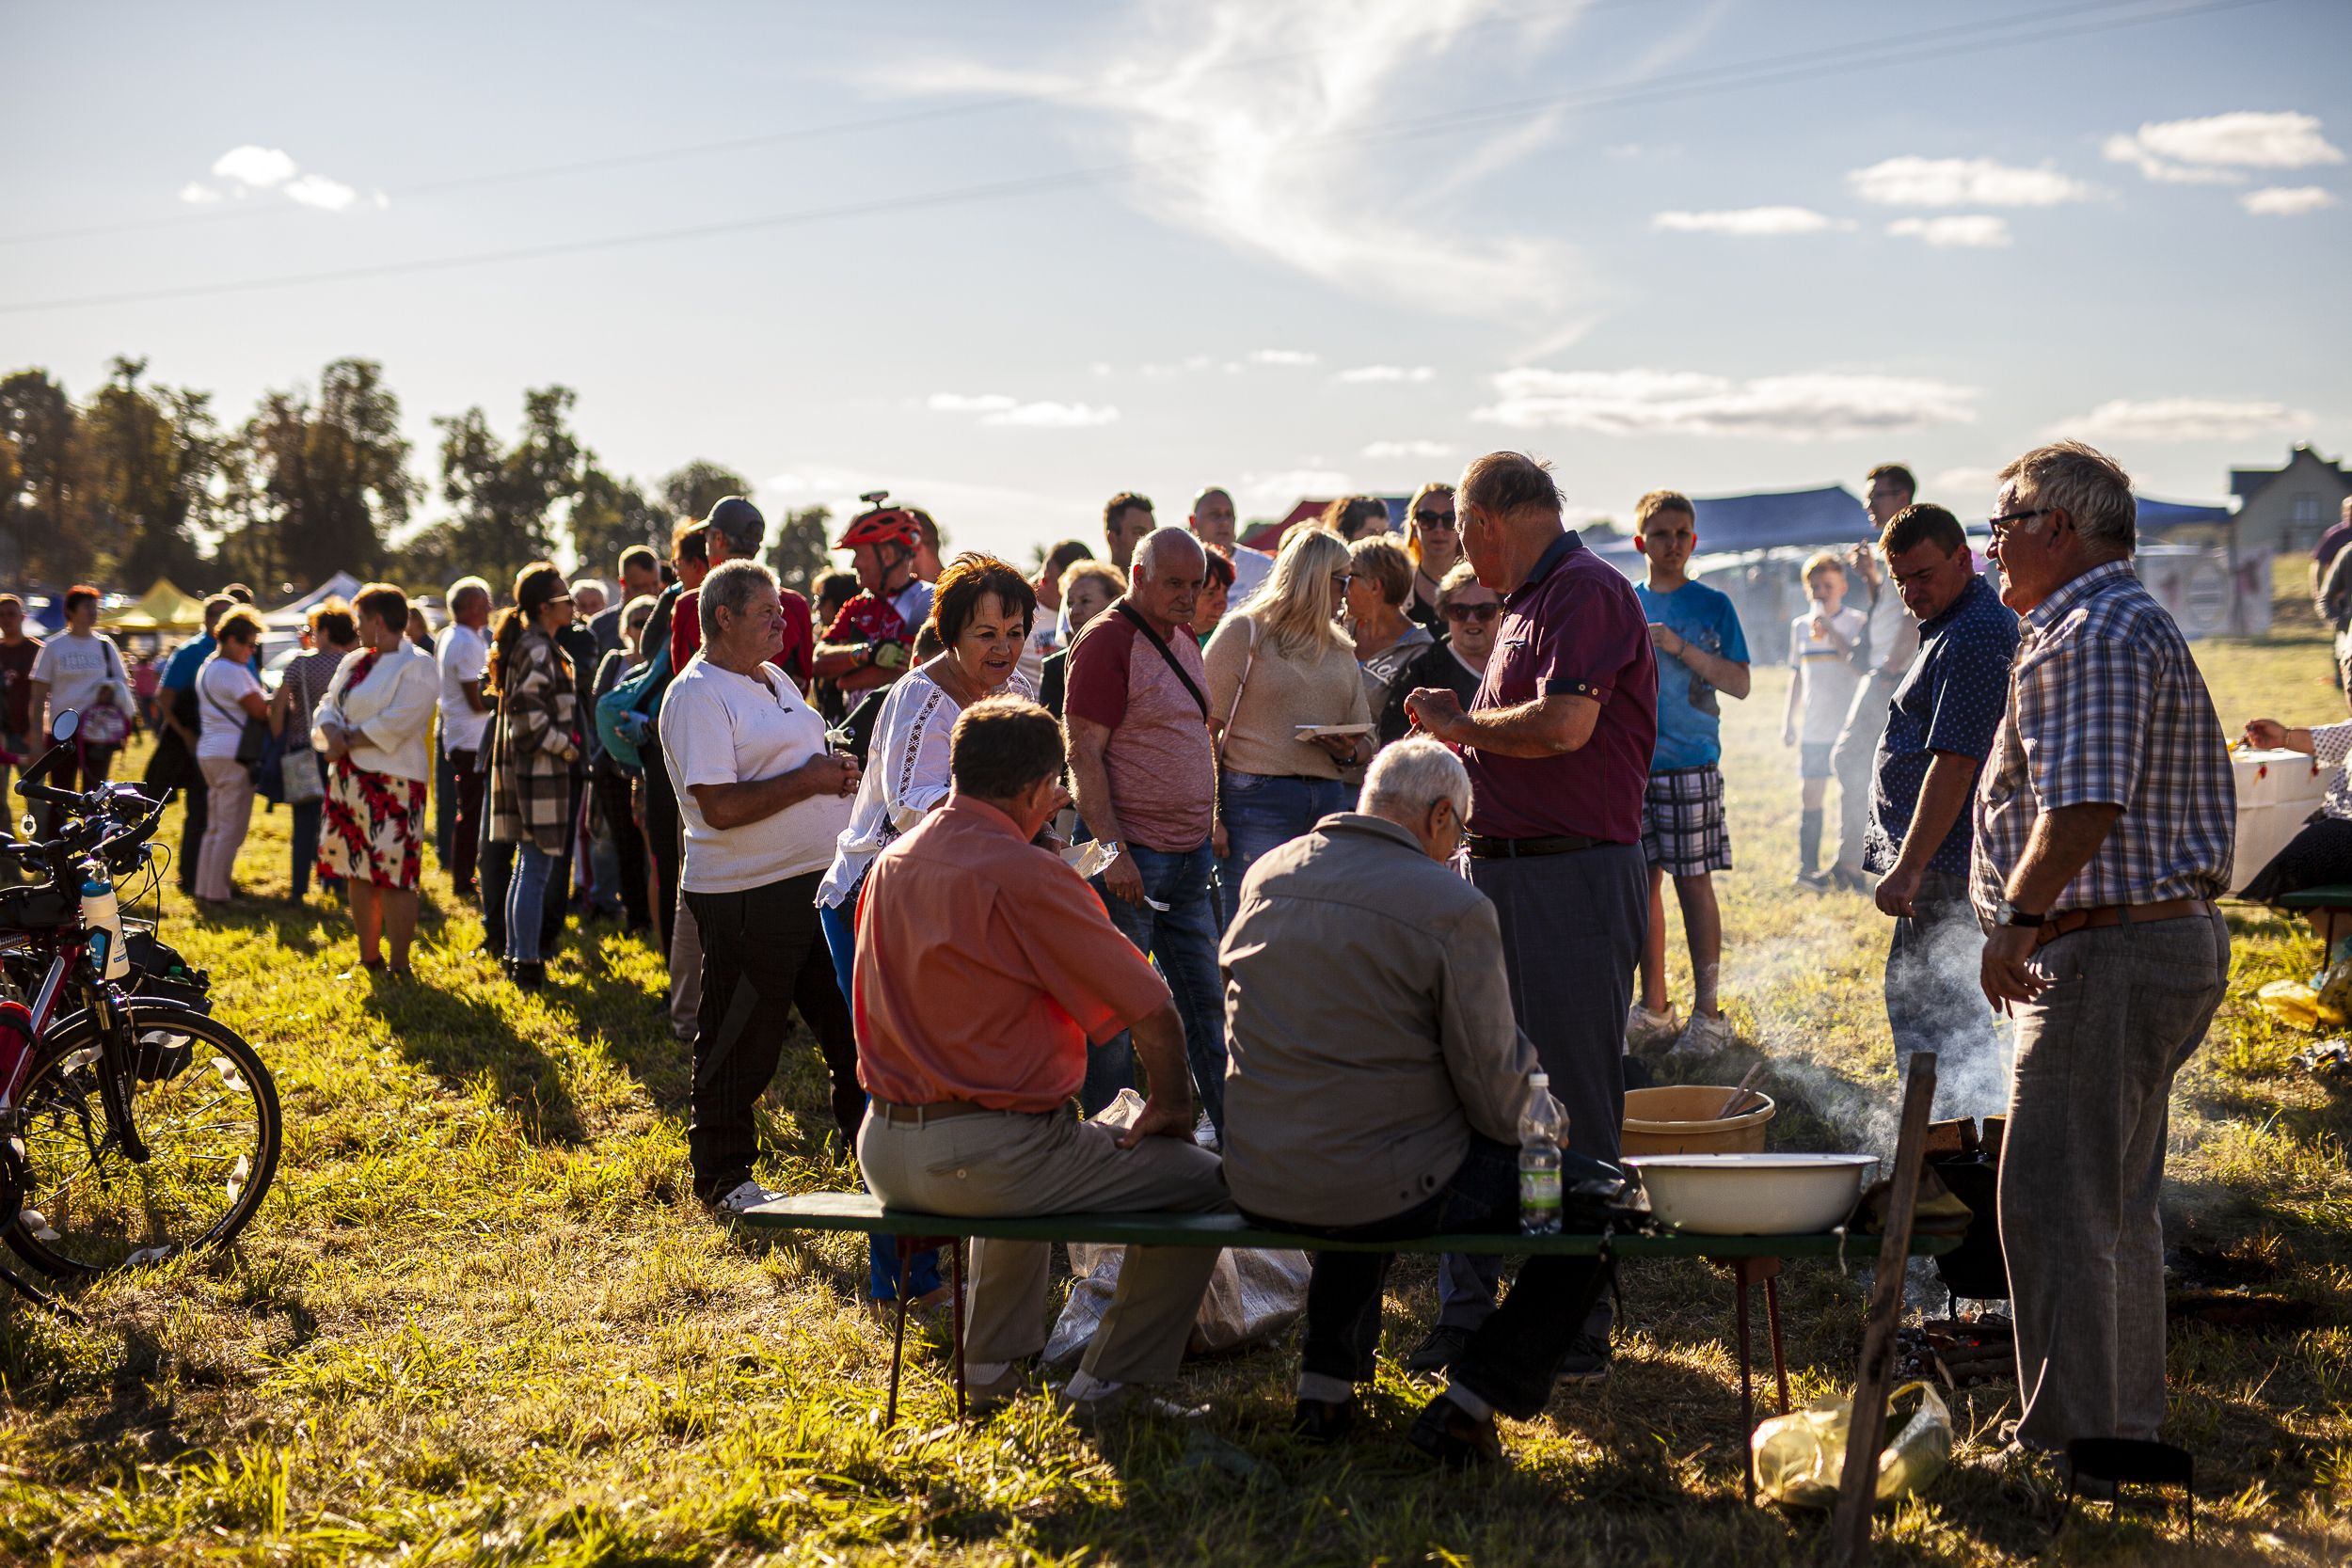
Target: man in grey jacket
[(1375, 1088)]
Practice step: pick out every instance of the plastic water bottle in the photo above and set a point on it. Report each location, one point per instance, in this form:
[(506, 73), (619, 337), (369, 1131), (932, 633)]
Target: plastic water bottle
[(1540, 1126), (100, 912)]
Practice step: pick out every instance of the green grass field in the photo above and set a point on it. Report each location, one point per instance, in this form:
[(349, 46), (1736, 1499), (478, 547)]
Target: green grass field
[(479, 1318)]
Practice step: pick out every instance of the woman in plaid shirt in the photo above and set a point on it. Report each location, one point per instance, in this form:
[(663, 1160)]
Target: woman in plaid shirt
[(2104, 828)]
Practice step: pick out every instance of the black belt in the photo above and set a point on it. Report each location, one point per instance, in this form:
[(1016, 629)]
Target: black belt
[(1481, 847)]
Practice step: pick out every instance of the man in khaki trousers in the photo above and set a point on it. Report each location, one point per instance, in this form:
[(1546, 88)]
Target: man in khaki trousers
[(985, 967)]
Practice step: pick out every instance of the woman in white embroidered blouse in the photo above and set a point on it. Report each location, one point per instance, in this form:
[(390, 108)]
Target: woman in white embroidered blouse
[(981, 611), (2321, 854)]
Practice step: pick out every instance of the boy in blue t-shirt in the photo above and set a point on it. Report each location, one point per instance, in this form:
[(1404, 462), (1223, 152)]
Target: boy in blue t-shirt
[(1701, 651)]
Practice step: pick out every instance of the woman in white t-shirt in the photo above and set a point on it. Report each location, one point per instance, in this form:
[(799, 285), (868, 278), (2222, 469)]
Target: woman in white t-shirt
[(1822, 647), (761, 797), (227, 694), (81, 669)]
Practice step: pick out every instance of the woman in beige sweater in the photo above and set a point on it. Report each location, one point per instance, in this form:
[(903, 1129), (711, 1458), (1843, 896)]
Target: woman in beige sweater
[(1281, 664)]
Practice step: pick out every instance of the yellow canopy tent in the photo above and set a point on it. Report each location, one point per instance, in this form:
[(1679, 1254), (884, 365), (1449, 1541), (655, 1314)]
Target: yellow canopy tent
[(160, 608)]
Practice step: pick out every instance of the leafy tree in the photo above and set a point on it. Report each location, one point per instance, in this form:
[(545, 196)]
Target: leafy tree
[(799, 556), (320, 484), (154, 454), (504, 496), (46, 506), (700, 485), (610, 516)]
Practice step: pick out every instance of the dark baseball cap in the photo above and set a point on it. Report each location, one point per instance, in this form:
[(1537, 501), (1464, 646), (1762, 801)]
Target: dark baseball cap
[(741, 521)]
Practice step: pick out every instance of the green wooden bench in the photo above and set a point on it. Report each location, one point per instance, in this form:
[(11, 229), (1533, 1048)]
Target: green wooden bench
[(2325, 905), (1750, 1258)]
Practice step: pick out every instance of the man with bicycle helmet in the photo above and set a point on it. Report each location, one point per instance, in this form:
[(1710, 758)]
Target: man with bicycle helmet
[(869, 643)]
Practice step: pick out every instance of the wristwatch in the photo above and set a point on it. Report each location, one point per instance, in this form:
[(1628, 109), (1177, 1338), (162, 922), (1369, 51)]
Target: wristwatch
[(2006, 913)]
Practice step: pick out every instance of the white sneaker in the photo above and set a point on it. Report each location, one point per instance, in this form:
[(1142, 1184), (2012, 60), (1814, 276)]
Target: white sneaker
[(745, 1194), (1204, 1133), (1645, 1029), (1704, 1037)]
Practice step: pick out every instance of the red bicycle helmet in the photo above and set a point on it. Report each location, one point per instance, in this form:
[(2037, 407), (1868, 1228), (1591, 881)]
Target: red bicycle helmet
[(880, 525)]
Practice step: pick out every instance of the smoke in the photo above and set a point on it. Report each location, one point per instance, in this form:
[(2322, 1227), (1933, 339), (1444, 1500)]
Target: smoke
[(1940, 1006)]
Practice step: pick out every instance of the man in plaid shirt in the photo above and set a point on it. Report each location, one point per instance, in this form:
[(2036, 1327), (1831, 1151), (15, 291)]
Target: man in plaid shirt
[(2103, 829)]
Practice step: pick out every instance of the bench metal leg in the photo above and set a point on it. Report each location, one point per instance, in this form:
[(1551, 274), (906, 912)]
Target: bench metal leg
[(908, 1246), (955, 1283), (1772, 1313), (1747, 1392), (897, 1338)]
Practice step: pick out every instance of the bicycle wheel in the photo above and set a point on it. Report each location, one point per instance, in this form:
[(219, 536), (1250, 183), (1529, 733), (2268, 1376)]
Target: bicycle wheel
[(201, 1100)]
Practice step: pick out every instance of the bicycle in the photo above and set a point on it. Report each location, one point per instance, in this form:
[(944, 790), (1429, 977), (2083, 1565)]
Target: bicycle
[(134, 1128)]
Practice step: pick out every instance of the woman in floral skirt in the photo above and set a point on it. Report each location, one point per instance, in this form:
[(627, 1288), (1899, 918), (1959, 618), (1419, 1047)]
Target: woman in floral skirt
[(370, 730)]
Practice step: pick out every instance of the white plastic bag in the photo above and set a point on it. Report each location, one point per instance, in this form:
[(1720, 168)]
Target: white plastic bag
[(1800, 1457), (1253, 1294)]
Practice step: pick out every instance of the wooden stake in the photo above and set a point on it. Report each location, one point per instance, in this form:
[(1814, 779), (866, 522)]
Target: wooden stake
[(1858, 1482)]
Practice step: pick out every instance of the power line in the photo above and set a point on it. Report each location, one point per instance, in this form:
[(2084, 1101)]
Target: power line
[(739, 144), (1778, 71)]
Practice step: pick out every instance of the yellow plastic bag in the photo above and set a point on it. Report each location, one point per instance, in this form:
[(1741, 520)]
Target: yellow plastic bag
[(1799, 1457), (2293, 1002)]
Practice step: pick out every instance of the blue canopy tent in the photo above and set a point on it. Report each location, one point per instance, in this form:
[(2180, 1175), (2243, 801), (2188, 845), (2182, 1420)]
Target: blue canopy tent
[(2156, 517), (1790, 520)]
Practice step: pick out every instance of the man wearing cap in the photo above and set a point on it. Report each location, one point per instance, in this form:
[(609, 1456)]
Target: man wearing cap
[(870, 642), (736, 531)]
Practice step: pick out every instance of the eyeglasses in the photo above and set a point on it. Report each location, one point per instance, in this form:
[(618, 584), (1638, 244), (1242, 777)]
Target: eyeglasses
[(1434, 519), (1343, 578), (1482, 614), (1995, 523)]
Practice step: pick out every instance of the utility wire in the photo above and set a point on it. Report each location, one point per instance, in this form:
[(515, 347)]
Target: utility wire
[(1776, 71)]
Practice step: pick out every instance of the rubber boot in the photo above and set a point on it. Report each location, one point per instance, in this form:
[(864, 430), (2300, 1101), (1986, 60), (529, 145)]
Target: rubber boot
[(1809, 843)]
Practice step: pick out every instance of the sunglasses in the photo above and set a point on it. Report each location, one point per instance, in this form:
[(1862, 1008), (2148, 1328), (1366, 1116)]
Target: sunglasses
[(1998, 525), (1434, 519), (1479, 612)]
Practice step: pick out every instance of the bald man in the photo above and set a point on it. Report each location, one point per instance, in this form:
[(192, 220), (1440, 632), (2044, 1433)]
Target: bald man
[(1212, 523), (1137, 711)]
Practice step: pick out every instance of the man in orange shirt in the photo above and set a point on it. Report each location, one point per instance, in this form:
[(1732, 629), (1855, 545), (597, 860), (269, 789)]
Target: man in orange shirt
[(985, 967)]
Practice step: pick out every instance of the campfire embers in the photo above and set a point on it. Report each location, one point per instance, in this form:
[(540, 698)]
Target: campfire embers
[(1962, 1352)]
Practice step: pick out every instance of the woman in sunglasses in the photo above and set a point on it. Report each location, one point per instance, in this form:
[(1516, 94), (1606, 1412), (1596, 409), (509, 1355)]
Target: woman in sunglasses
[(1472, 613), (1436, 546)]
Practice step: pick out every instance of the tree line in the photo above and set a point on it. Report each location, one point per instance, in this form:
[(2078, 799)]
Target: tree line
[(138, 480)]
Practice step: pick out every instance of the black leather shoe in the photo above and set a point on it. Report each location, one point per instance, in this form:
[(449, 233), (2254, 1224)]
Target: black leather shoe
[(1437, 1353), (1323, 1420), (1455, 1437)]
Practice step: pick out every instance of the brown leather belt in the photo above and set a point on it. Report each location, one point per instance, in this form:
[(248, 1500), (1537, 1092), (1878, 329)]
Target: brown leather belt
[(2066, 922), (939, 1110)]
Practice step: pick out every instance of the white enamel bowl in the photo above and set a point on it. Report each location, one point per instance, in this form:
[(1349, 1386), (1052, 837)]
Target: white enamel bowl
[(1753, 1195)]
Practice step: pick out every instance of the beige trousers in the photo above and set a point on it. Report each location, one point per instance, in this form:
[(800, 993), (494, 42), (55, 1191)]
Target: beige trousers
[(1007, 1163)]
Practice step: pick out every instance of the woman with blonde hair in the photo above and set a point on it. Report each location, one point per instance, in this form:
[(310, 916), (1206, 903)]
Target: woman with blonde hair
[(1434, 540), (1278, 666), (1379, 586)]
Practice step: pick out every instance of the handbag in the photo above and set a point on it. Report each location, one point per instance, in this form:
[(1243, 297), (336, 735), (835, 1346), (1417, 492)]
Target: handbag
[(103, 724), (300, 781)]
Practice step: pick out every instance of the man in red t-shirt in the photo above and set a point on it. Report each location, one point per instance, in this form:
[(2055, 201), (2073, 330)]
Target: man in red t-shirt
[(1146, 775), (871, 640), (735, 529), (1558, 744)]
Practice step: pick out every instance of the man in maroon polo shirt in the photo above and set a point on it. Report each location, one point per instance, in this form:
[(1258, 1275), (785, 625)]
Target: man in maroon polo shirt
[(1558, 744)]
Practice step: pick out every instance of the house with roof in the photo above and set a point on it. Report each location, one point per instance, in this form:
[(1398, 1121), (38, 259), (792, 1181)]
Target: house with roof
[(2287, 508)]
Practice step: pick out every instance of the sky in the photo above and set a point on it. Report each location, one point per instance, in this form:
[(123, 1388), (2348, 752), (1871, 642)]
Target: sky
[(1005, 260)]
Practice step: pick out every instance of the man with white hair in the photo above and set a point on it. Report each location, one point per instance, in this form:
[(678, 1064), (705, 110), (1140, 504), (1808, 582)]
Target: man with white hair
[(1137, 711), (461, 652), (2105, 821), (1360, 933)]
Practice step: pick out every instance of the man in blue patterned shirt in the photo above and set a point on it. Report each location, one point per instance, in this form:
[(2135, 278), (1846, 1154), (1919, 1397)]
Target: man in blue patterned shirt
[(1936, 731), (2104, 832)]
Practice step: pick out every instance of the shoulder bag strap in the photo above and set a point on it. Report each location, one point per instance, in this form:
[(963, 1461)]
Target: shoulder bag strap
[(1239, 687), (1144, 626)]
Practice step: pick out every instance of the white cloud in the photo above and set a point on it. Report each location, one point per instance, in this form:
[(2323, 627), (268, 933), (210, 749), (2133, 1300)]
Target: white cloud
[(957, 402), (1979, 231), (2280, 202), (197, 194), (1363, 373), (1747, 221), (317, 190), (261, 167), (1198, 362), (1824, 405), (1970, 483), (2208, 150), (1410, 449), (1267, 160), (1962, 183), (2181, 419), (1281, 356), (1053, 416), (1270, 495)]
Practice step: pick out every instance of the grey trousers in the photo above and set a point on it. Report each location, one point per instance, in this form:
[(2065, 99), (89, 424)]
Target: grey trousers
[(1854, 760), (1004, 1163), (686, 971), (1572, 931), (1935, 1000), (2082, 1164)]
